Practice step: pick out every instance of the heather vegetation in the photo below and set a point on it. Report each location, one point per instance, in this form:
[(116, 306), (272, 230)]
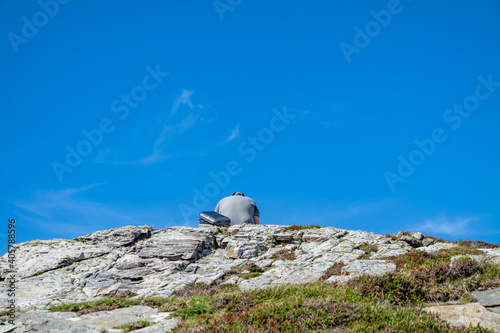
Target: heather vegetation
[(284, 254)]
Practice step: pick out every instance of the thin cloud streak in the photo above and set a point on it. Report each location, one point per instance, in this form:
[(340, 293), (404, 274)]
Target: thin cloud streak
[(184, 98), (442, 225), (67, 211), (234, 134)]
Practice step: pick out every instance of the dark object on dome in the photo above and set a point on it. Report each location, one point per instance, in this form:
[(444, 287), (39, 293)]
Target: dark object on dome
[(215, 219)]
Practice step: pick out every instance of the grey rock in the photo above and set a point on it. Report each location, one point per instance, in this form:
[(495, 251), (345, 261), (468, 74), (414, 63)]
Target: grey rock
[(369, 267), (487, 298), (263, 263), (284, 237), (436, 247), (244, 250), (464, 315), (178, 243), (164, 326), (7, 328), (44, 321), (427, 241), (413, 242), (117, 237), (495, 309), (417, 235)]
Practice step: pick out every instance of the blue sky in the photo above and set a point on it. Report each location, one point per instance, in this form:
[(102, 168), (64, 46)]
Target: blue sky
[(370, 115)]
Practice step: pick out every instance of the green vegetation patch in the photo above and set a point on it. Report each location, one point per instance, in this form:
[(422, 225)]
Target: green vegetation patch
[(192, 312), (134, 326), (368, 248), (111, 303), (297, 227), (462, 250)]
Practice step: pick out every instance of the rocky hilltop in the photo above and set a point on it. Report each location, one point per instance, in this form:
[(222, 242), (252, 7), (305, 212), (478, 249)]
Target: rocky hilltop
[(138, 261)]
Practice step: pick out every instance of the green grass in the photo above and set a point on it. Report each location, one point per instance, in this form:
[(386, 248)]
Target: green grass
[(192, 312), (134, 326), (110, 303), (5, 312), (368, 248)]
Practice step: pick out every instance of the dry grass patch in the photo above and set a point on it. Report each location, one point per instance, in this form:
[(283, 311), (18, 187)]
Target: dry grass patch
[(284, 254), (203, 290), (477, 244), (336, 269), (297, 227)]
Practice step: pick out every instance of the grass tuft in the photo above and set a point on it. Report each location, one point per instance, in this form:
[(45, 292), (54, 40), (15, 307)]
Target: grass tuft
[(297, 227), (477, 244), (368, 248)]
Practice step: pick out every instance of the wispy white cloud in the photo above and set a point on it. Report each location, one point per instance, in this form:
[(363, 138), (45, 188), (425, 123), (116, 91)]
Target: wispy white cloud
[(234, 134), (184, 98), (68, 211), (442, 225)]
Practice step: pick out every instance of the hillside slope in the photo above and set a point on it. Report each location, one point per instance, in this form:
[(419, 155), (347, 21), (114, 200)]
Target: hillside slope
[(139, 263)]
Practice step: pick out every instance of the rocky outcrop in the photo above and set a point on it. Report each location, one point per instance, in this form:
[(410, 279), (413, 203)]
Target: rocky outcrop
[(139, 261)]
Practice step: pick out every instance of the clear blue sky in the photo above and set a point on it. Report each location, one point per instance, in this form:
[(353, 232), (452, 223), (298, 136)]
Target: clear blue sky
[(368, 115)]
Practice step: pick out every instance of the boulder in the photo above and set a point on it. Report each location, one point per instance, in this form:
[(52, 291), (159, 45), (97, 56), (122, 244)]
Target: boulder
[(464, 315)]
